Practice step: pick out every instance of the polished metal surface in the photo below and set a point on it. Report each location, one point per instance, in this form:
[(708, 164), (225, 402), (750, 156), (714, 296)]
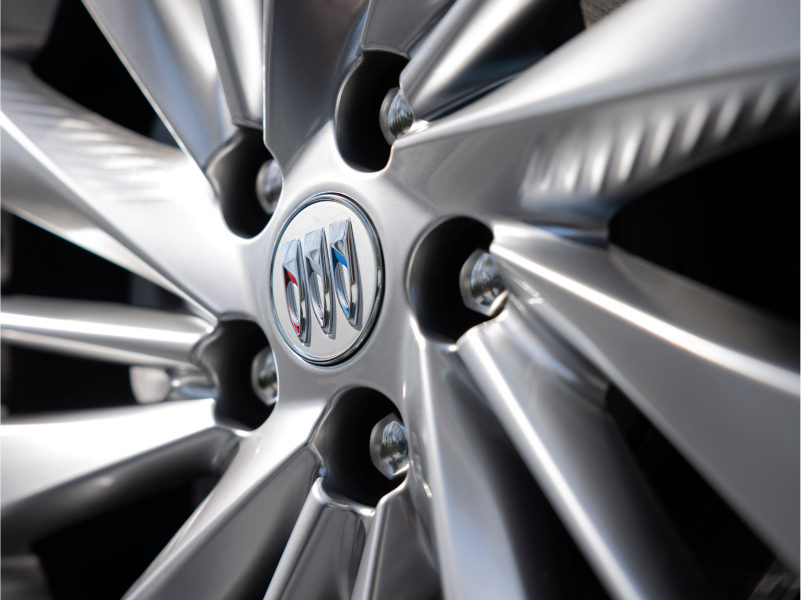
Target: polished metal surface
[(553, 412), (304, 279), (389, 448), (318, 270), (513, 467), (268, 186), (235, 33), (58, 469), (264, 377), (103, 331), (482, 286), (175, 67), (477, 45), (615, 110), (324, 549), (395, 117)]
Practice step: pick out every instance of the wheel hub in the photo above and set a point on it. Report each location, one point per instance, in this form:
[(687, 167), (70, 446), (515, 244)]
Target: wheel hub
[(326, 279)]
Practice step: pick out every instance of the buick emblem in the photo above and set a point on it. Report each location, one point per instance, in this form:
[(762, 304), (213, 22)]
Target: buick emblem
[(326, 279)]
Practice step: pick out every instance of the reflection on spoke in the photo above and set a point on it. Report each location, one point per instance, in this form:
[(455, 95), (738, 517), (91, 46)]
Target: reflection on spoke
[(580, 460), (703, 369), (324, 550), (133, 201), (59, 469), (232, 543), (103, 331), (639, 97), (175, 68)]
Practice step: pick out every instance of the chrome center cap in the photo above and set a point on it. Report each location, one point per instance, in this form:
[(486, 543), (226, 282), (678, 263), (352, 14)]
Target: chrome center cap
[(326, 279)]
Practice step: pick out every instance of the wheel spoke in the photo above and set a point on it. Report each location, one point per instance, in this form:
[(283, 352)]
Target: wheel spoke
[(635, 99), (62, 468), (551, 409), (232, 543), (495, 532), (165, 46), (308, 48), (324, 550), (733, 411), (235, 30), (398, 26), (131, 200), (22, 578), (392, 551), (103, 331), (25, 31), (478, 44)]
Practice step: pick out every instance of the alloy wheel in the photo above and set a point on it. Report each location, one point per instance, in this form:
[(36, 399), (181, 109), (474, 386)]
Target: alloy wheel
[(518, 135)]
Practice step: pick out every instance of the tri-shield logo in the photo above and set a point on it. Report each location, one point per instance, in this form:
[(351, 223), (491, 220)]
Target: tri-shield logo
[(312, 267), (326, 278)]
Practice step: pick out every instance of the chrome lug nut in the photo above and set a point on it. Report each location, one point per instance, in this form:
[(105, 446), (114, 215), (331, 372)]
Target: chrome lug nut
[(483, 289), (264, 377), (388, 447), (396, 116), (269, 182)]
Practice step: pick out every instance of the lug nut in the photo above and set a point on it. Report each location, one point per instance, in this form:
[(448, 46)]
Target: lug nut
[(264, 377), (268, 185), (396, 116), (483, 288), (149, 384), (388, 447)]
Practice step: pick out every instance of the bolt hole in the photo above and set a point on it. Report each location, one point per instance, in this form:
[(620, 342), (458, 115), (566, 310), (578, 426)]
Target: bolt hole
[(229, 356), (434, 277), (359, 137), (343, 441), (233, 172)]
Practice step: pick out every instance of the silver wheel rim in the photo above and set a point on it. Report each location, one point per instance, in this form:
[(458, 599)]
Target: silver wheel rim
[(561, 144)]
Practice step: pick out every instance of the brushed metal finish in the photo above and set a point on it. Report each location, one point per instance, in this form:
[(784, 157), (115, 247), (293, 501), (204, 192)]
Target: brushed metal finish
[(103, 331), (165, 46)]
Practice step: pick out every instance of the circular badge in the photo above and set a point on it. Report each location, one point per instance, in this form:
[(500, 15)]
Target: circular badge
[(326, 279)]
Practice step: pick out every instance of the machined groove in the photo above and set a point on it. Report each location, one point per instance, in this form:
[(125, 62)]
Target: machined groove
[(392, 550), (553, 415), (739, 368), (58, 469), (495, 532), (234, 540), (325, 548), (103, 331)]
